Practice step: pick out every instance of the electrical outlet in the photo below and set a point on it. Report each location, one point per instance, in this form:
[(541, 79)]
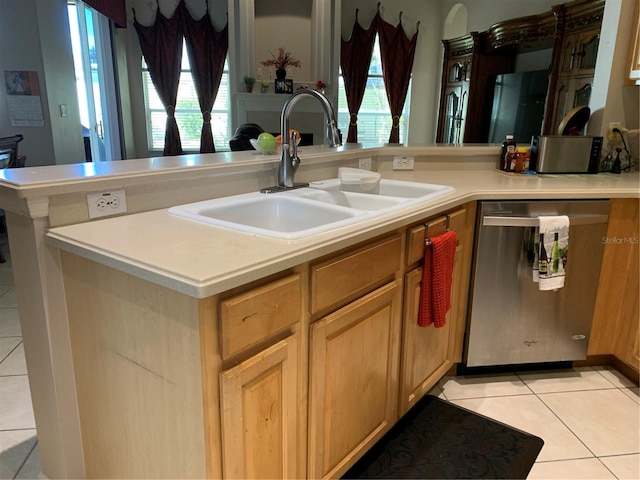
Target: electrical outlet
[(403, 163), (365, 163), (614, 137), (106, 203)]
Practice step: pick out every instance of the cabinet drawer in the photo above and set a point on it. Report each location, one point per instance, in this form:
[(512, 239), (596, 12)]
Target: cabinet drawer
[(347, 276), (457, 220), (416, 237), (253, 316), (437, 226)]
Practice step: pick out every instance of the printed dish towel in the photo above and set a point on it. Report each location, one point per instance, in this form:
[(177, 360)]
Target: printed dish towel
[(437, 277), (553, 250)]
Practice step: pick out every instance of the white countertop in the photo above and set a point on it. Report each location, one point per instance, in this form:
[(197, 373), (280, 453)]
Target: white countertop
[(201, 260)]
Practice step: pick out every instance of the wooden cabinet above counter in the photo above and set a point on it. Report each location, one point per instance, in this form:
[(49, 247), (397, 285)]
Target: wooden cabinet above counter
[(570, 30)]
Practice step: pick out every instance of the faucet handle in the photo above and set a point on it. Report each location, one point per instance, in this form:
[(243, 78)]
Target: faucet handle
[(295, 160)]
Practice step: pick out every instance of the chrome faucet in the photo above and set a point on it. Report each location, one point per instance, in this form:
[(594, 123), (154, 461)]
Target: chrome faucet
[(289, 160)]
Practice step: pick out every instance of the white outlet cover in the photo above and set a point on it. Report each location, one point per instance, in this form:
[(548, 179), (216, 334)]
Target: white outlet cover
[(102, 204)]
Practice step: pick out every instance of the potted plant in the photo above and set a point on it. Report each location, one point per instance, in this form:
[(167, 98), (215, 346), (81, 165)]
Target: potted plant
[(249, 82), (281, 62), (264, 86)]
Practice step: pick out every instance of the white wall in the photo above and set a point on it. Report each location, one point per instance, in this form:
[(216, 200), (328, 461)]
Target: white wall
[(34, 37), (481, 14), (611, 99)]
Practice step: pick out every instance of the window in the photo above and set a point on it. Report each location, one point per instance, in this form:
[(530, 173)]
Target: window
[(374, 117), (188, 115)]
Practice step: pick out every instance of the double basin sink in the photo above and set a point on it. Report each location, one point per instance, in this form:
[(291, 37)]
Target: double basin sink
[(323, 206)]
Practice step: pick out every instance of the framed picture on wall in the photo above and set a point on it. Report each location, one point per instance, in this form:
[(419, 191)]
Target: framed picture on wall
[(284, 86)]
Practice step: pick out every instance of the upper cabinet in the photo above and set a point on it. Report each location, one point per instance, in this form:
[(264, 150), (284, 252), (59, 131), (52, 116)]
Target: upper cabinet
[(571, 31)]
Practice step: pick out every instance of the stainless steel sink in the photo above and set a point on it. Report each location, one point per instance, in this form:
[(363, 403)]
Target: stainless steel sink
[(302, 212)]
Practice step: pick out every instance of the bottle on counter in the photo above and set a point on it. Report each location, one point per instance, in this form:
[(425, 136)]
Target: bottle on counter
[(521, 161), (508, 147)]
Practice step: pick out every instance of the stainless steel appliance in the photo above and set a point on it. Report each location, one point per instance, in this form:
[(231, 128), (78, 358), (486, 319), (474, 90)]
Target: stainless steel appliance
[(565, 154), (512, 321)]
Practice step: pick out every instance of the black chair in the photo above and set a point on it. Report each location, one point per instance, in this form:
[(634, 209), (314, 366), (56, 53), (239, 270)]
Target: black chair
[(9, 158), (242, 136)]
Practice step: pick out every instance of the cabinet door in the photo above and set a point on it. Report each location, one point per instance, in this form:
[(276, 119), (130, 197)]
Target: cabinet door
[(259, 401), (452, 115), (353, 389), (579, 52), (570, 93), (425, 350)]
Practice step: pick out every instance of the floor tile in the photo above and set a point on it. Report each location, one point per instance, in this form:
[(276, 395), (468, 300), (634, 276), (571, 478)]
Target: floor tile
[(624, 466), (15, 363), (15, 403), (455, 388), (600, 418), (632, 393), (8, 298), (6, 275), (15, 446), (575, 379), (31, 468), (7, 345), (614, 376), (10, 323), (586, 468), (528, 413)]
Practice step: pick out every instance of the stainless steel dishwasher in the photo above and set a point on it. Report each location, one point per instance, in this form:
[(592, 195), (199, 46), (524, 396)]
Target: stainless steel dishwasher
[(512, 321)]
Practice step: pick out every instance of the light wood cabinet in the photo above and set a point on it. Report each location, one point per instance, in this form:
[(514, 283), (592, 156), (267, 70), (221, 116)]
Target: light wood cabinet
[(259, 403), (429, 352), (571, 28), (353, 391), (261, 393), (615, 320)]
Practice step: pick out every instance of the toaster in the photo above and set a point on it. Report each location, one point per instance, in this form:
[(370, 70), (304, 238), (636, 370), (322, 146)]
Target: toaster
[(565, 154)]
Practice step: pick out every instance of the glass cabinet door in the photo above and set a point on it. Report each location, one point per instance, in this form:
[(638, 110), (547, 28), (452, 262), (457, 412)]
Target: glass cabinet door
[(451, 114)]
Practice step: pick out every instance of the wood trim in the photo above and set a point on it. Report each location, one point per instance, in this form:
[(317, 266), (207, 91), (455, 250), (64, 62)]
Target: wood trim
[(211, 364)]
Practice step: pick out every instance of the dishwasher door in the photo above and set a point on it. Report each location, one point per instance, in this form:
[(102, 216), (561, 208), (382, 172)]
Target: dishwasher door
[(512, 321)]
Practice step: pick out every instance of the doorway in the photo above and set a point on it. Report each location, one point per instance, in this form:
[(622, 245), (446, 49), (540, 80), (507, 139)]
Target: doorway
[(91, 40)]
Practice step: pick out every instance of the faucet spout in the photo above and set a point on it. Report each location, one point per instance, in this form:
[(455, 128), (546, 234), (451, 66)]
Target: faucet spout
[(289, 160)]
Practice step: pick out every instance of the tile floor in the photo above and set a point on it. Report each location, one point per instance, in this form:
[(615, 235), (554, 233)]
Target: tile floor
[(587, 417)]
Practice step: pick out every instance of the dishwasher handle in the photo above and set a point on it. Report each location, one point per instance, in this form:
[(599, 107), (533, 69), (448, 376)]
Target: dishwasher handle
[(498, 221)]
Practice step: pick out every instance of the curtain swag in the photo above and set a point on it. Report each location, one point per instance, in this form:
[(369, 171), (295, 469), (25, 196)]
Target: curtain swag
[(161, 45)]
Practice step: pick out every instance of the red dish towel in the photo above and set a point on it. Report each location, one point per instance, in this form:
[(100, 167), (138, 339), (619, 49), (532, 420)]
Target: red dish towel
[(437, 276)]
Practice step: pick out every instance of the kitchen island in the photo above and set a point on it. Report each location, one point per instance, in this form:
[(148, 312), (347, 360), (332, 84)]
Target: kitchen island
[(172, 296)]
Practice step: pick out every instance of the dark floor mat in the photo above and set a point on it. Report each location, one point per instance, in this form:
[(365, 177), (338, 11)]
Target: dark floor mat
[(438, 439)]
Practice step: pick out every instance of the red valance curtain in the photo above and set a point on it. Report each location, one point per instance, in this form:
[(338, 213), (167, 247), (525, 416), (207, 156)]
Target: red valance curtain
[(207, 51), (113, 9), (397, 52), (355, 57), (162, 50)]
